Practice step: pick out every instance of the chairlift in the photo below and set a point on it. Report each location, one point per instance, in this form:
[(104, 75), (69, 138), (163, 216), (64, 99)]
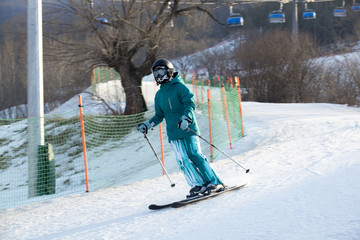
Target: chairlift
[(339, 12), (235, 20), (277, 16), (308, 13), (101, 22), (355, 8)]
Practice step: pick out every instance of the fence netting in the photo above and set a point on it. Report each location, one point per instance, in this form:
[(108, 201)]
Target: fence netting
[(116, 152)]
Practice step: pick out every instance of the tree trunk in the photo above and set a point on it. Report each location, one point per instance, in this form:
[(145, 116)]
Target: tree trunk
[(135, 102)]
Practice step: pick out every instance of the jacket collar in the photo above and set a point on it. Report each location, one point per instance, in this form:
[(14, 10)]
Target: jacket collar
[(175, 79)]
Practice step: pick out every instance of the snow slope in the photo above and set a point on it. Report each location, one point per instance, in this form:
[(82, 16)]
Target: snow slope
[(304, 160)]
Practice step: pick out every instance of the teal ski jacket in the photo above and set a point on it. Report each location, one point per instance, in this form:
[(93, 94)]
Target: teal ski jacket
[(172, 101)]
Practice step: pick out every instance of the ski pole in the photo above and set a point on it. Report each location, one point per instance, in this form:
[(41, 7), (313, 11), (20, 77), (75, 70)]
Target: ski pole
[(157, 157), (246, 170)]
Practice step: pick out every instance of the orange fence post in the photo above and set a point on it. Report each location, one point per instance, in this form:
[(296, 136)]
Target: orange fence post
[(202, 89), (237, 80), (226, 114), (162, 147), (98, 75), (84, 144), (193, 84), (196, 92), (103, 74), (98, 79), (92, 78), (209, 110)]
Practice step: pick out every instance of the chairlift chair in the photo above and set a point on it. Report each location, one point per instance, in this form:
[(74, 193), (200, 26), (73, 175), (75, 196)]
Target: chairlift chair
[(308, 13), (355, 8), (235, 21), (339, 12), (277, 16), (101, 22), (102, 19)]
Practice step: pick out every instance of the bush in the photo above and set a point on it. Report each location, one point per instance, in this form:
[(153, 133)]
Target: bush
[(276, 68)]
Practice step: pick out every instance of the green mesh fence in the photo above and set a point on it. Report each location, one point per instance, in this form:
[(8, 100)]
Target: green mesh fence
[(224, 130), (102, 74), (116, 152), (59, 165)]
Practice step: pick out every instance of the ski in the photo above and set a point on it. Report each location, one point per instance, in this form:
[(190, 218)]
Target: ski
[(157, 206), (187, 201), (184, 203)]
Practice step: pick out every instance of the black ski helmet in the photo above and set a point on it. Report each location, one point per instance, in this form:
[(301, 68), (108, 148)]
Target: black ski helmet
[(166, 65)]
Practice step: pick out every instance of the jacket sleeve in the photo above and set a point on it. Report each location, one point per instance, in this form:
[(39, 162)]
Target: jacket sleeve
[(159, 114), (187, 98)]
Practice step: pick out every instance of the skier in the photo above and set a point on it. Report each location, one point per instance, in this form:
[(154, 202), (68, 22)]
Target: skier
[(175, 103)]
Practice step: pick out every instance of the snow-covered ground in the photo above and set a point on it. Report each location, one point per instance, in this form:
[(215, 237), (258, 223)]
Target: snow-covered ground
[(305, 164)]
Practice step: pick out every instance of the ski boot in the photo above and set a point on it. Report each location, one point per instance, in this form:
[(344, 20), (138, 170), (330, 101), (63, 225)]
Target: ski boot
[(194, 191), (213, 188)]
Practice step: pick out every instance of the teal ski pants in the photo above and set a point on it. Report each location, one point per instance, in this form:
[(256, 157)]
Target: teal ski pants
[(193, 163)]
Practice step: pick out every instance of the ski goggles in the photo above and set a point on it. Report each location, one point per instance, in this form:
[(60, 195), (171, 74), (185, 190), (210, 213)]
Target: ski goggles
[(160, 72)]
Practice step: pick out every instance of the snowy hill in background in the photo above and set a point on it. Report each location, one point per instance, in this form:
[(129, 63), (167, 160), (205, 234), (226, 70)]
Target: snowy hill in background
[(304, 160)]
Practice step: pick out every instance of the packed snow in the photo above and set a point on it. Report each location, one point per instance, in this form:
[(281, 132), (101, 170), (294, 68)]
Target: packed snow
[(304, 184)]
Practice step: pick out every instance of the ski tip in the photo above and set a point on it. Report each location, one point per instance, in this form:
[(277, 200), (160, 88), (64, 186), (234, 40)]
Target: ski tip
[(158, 207), (153, 207)]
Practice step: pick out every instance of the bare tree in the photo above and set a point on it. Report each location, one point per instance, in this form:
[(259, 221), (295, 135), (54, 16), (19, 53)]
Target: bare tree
[(275, 68), (183, 64), (127, 35), (341, 81), (13, 81), (217, 62)]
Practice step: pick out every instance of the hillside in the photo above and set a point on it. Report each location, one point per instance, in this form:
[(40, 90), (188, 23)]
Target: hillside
[(304, 160)]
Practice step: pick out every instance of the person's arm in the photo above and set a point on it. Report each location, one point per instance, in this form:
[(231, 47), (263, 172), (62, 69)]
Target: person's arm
[(187, 99), (159, 114)]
